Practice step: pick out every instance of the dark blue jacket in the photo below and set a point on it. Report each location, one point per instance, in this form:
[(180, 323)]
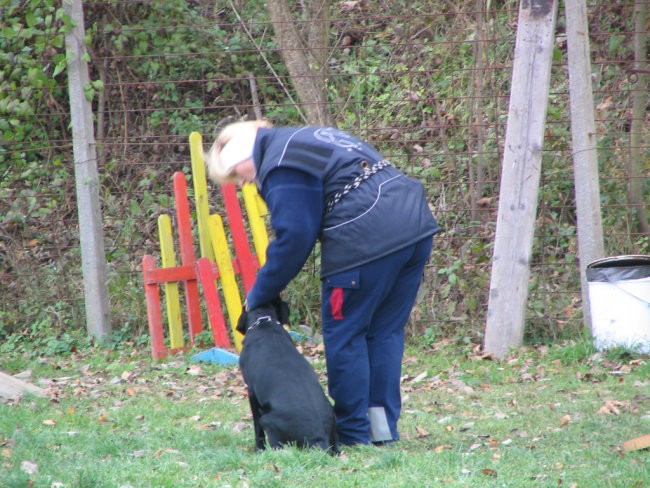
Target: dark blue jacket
[(299, 171)]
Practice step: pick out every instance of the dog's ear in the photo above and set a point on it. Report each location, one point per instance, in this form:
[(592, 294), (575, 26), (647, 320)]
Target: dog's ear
[(282, 310), (242, 323)]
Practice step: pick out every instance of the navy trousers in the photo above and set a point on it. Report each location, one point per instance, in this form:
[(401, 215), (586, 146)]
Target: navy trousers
[(364, 313)]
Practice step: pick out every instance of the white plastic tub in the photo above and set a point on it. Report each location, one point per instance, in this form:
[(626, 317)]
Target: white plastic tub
[(619, 296)]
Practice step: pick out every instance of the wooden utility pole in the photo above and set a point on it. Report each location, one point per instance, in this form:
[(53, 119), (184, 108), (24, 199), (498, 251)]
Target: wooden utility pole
[(520, 175), (93, 258), (583, 136), (640, 99)]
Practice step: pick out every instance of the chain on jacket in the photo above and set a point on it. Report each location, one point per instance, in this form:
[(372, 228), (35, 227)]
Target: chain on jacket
[(367, 173)]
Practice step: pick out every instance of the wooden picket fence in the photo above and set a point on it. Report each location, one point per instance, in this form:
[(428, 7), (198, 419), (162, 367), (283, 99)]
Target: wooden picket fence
[(216, 270)]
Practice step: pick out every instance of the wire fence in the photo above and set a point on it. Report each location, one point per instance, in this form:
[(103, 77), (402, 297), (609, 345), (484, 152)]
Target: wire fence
[(427, 83)]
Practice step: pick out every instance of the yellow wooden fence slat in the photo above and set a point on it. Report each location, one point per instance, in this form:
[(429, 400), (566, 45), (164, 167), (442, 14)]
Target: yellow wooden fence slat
[(256, 209), (200, 195), (229, 285), (171, 288)]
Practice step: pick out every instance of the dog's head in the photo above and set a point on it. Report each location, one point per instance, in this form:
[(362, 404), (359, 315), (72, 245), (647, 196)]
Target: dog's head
[(276, 311)]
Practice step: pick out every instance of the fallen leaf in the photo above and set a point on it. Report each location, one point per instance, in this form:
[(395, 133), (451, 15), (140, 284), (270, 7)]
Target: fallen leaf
[(29, 467), (419, 377), (194, 370), (565, 420), (421, 432), (349, 6), (485, 202), (642, 442), (239, 426), (461, 385), (49, 422), (489, 472), (611, 407), (127, 375), (605, 104)]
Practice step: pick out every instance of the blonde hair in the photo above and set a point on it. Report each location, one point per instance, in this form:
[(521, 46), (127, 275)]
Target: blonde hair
[(217, 170)]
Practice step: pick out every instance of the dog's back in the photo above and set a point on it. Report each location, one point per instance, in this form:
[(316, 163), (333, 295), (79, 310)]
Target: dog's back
[(293, 408)]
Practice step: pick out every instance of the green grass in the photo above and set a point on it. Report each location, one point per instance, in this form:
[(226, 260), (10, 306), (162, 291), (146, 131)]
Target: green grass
[(543, 417)]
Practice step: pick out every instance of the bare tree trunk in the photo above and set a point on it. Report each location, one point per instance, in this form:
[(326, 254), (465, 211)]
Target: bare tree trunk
[(317, 34), (639, 107), (305, 54)]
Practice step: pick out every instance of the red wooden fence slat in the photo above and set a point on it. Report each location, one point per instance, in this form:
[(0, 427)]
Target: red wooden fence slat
[(154, 315), (187, 253), (207, 274), (165, 275), (247, 263)]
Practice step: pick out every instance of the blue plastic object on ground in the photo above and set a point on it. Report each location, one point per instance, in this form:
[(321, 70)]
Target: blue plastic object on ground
[(298, 337), (218, 356)]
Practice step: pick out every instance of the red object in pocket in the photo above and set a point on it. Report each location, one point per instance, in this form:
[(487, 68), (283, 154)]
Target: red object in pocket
[(336, 303)]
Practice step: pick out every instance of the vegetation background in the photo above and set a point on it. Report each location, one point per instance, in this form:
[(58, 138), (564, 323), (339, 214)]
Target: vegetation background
[(426, 81)]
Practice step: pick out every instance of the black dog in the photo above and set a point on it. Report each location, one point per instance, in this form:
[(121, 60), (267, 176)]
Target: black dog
[(286, 398)]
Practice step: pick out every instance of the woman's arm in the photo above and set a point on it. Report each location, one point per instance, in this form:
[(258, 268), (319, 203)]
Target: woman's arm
[(295, 201)]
